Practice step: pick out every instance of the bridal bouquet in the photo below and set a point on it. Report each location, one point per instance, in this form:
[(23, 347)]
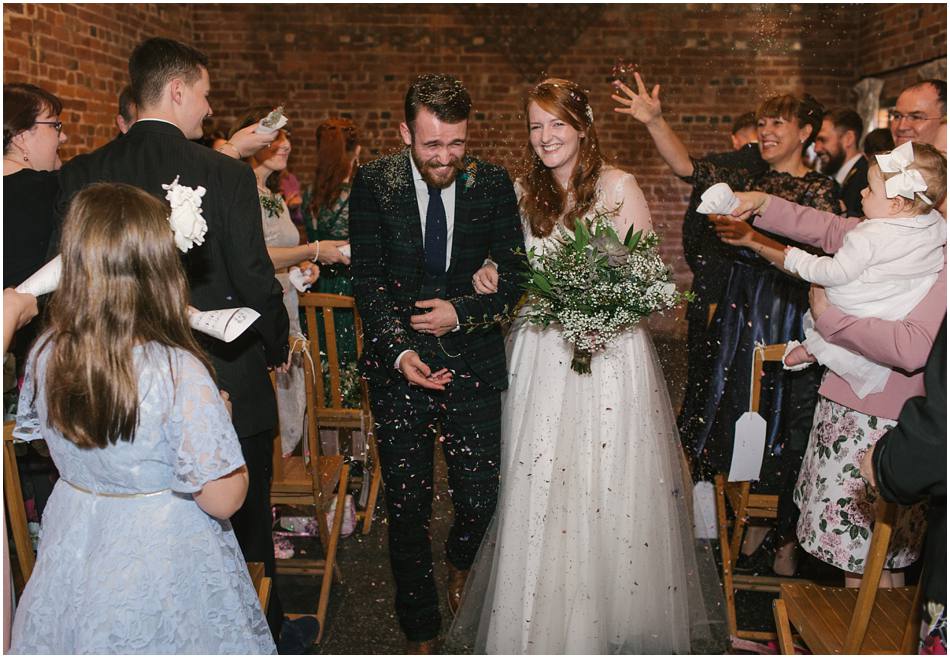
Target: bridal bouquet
[(596, 285)]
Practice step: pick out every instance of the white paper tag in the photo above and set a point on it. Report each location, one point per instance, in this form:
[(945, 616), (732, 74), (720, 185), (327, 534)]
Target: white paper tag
[(344, 249), (226, 324), (705, 525), (748, 448)]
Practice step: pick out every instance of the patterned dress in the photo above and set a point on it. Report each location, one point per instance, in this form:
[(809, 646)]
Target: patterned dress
[(837, 505)]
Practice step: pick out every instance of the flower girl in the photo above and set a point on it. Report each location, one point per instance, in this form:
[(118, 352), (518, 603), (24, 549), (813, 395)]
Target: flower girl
[(136, 553)]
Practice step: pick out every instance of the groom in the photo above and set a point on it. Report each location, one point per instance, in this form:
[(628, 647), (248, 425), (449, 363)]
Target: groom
[(421, 224)]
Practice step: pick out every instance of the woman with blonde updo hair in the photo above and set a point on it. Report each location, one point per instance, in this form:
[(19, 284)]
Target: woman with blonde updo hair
[(591, 549)]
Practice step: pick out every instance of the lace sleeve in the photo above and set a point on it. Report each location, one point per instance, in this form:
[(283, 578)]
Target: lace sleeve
[(209, 447), (28, 426), (707, 173)]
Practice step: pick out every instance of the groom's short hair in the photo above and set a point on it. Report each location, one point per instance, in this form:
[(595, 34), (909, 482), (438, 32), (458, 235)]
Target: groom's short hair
[(156, 61), (443, 95)]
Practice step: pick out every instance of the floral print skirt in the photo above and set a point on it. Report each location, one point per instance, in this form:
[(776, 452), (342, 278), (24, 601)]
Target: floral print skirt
[(837, 504)]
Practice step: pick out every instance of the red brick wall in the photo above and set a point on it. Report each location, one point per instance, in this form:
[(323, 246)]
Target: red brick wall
[(713, 62), (357, 60), (896, 35), (80, 53)]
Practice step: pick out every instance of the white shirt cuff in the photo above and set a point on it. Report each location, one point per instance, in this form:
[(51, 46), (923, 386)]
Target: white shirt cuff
[(399, 358)]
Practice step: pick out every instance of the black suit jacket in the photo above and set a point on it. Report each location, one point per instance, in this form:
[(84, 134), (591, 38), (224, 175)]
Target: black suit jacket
[(387, 266), (854, 182), (230, 269), (910, 462)]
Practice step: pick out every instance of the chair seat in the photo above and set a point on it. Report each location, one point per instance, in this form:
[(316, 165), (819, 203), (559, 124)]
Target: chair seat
[(829, 610), (296, 480)]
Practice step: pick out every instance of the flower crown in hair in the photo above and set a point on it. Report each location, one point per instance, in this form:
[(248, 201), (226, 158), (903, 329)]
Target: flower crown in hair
[(908, 183)]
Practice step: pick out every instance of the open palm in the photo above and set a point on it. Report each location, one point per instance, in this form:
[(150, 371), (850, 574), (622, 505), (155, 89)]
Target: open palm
[(641, 105)]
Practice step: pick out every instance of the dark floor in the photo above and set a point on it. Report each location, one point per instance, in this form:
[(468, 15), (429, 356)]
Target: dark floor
[(361, 618)]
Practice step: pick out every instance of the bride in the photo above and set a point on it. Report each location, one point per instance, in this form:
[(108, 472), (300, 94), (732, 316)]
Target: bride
[(591, 549)]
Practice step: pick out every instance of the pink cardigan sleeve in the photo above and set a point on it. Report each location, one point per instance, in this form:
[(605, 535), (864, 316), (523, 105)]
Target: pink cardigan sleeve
[(902, 344), (820, 229)]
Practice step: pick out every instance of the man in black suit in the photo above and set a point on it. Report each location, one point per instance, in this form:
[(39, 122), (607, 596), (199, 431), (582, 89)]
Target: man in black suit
[(170, 87), (422, 222), (837, 146)]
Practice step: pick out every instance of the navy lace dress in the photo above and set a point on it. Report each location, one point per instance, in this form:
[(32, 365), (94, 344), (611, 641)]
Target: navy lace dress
[(760, 304)]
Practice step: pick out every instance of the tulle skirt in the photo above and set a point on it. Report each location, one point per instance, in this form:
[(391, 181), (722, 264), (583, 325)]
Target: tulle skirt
[(591, 549)]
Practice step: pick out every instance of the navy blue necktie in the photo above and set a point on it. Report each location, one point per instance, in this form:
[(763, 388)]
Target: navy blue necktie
[(436, 237)]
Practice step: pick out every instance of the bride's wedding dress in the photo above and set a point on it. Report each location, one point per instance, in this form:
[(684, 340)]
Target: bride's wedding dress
[(591, 549)]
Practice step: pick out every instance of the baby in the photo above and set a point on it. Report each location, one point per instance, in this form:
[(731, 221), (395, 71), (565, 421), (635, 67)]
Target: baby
[(886, 264)]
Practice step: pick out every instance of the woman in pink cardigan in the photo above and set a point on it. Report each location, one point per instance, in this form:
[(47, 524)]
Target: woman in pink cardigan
[(837, 505)]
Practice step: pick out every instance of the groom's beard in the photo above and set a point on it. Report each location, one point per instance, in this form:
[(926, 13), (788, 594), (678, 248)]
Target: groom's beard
[(435, 173)]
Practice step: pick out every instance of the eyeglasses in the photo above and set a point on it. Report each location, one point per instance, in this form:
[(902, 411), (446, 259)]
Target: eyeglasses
[(912, 118), (58, 125)]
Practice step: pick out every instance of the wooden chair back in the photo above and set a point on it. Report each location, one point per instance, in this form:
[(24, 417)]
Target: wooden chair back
[(16, 509), (312, 479), (745, 505), (329, 409)]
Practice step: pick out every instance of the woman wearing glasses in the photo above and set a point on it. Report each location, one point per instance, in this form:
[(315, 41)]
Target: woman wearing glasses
[(32, 135)]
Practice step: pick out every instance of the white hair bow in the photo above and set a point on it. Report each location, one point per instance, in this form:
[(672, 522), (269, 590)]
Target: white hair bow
[(908, 182)]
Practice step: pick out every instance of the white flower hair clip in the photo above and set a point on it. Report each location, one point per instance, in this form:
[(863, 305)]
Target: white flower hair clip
[(908, 182), (186, 220)]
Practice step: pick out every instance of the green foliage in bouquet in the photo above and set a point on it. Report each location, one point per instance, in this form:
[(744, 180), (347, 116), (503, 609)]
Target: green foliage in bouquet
[(596, 285)]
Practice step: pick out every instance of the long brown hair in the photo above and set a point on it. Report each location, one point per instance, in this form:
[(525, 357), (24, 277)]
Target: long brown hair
[(337, 139), (544, 201), (122, 285)]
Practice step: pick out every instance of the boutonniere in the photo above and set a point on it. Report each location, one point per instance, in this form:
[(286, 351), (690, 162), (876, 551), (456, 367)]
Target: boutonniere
[(272, 204), (187, 222), (469, 175)]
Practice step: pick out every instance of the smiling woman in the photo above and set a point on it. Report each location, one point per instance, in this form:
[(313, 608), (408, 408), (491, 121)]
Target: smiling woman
[(760, 304)]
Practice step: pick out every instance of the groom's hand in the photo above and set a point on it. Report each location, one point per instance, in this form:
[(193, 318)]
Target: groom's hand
[(417, 372), (440, 320)]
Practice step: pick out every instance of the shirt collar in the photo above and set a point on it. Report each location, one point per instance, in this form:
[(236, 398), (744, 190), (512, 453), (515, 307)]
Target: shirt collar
[(846, 168)]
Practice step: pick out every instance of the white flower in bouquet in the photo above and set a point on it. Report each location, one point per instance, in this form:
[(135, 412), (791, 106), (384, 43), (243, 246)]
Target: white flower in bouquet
[(596, 285), (186, 219)]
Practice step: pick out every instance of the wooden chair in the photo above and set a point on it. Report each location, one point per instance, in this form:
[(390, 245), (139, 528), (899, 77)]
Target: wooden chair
[(842, 620), (16, 510), (262, 584), (312, 481), (745, 506), (329, 410)]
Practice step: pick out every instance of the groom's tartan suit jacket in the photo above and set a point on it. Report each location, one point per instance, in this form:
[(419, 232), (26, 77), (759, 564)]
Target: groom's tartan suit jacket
[(387, 265)]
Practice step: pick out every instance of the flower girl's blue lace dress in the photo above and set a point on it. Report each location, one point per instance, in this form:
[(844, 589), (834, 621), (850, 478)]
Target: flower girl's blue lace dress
[(128, 562)]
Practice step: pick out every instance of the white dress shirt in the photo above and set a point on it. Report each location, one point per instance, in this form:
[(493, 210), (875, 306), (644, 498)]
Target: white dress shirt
[(846, 168)]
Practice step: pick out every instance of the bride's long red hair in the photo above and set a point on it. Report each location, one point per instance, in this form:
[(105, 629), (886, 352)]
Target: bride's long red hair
[(544, 202)]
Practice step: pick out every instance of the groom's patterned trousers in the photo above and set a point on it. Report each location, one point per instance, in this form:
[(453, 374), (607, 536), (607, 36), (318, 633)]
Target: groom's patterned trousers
[(465, 420)]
